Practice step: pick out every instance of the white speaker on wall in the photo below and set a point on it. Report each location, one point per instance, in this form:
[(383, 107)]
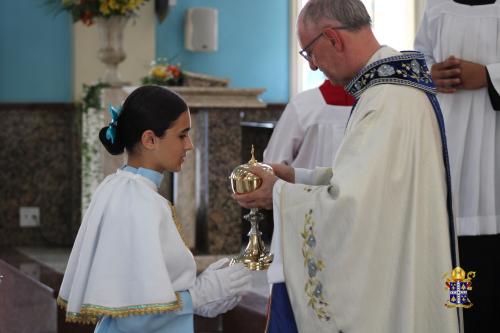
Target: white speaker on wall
[(201, 30)]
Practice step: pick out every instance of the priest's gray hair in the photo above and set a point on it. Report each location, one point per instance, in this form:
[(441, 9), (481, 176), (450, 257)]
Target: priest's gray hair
[(351, 14)]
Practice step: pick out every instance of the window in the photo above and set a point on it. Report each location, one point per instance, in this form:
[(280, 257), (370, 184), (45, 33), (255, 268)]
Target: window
[(394, 24)]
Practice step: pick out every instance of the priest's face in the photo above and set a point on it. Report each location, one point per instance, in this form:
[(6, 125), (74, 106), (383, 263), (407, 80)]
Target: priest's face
[(319, 49), (173, 146)]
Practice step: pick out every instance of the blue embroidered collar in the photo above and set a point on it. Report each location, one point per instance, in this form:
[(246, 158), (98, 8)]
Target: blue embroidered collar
[(408, 68)]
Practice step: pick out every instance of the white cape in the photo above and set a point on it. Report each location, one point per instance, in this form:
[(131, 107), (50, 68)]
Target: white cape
[(128, 257)]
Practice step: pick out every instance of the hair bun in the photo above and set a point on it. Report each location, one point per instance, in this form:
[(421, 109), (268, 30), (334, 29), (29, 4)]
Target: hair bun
[(116, 148)]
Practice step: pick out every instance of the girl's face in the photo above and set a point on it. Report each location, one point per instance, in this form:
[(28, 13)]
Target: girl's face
[(171, 149)]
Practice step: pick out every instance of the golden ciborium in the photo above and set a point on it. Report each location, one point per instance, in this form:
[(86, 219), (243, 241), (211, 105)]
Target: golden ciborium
[(256, 256)]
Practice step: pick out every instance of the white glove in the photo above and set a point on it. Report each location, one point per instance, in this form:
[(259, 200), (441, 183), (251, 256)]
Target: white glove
[(216, 308), (219, 283)]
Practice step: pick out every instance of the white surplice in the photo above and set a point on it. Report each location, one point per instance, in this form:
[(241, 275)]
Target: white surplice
[(128, 257), (472, 126), (306, 121), (365, 246)]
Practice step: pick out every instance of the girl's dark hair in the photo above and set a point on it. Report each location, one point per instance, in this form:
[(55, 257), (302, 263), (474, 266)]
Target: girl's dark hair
[(146, 108)]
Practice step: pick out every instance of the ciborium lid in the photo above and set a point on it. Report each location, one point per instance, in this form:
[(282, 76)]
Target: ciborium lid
[(242, 180)]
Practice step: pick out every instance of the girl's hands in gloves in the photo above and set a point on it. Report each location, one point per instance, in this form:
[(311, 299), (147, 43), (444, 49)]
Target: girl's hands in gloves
[(217, 289), (214, 309)]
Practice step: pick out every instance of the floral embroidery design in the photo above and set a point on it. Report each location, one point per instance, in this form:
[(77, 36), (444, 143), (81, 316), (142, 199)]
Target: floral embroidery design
[(313, 286), (408, 69), (385, 70)]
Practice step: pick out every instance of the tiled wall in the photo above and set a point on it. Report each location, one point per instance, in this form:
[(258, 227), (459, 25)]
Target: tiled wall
[(39, 166)]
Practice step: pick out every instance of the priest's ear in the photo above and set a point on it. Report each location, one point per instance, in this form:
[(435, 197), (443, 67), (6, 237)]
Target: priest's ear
[(333, 36), (148, 139)]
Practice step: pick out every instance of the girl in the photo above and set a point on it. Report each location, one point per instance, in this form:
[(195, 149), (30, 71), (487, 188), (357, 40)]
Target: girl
[(129, 268)]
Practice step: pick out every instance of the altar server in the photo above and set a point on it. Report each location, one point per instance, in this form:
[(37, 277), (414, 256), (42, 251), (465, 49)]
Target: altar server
[(365, 244), (460, 39), (129, 268), (310, 129)]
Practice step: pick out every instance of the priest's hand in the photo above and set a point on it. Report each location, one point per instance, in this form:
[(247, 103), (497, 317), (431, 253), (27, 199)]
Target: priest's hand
[(446, 75), (263, 196), (285, 172), (472, 76)]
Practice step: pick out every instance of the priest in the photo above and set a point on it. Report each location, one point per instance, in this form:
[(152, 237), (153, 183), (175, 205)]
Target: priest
[(363, 245)]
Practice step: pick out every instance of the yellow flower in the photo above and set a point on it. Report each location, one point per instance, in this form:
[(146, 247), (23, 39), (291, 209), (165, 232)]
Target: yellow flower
[(131, 5), (104, 9), (113, 4), (159, 72)]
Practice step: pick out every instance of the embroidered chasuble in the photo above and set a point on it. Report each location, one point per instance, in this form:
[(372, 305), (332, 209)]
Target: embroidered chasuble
[(365, 243)]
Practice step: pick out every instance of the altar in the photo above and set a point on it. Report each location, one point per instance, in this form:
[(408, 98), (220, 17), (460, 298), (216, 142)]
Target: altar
[(201, 192)]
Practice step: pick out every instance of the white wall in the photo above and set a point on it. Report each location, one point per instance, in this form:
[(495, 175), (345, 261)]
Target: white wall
[(139, 46)]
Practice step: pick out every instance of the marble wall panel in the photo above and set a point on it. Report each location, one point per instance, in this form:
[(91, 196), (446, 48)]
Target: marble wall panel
[(40, 163), (226, 149)]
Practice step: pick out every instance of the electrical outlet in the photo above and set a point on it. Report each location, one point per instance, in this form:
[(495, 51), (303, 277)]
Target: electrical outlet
[(29, 216), (32, 269)]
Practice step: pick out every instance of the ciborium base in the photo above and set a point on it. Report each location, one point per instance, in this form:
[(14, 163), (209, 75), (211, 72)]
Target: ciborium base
[(256, 256), (253, 265)]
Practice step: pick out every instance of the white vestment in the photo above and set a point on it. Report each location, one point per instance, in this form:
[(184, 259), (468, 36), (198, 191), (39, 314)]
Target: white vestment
[(128, 257), (365, 246), (472, 126), (308, 133)]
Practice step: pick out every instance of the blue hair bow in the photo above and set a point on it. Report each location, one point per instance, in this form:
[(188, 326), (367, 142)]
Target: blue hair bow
[(111, 132)]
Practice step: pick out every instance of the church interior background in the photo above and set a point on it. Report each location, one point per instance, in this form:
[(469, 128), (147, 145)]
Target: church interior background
[(50, 103)]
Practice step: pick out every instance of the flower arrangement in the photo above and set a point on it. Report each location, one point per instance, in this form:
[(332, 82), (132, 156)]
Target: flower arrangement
[(164, 74), (87, 10)]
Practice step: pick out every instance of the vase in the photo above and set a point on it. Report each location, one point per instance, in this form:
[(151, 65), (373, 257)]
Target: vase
[(111, 51)]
